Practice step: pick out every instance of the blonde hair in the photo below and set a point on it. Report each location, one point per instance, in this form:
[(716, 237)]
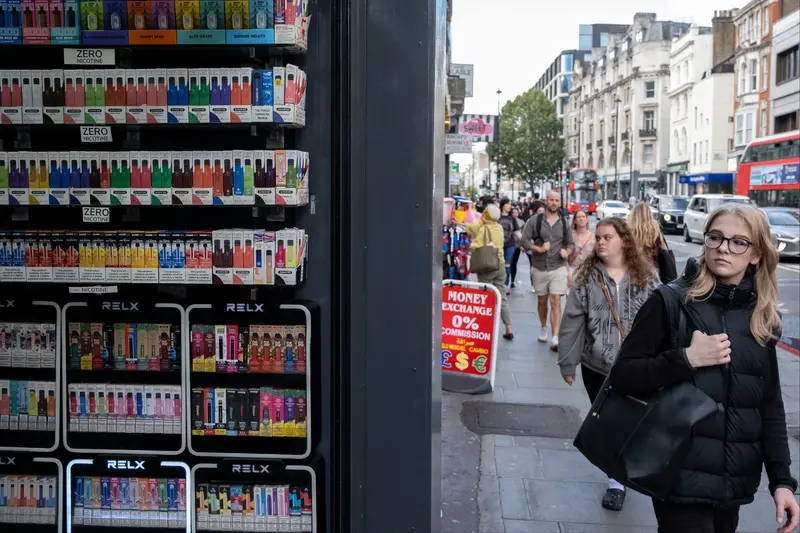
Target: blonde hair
[(645, 230), (765, 319)]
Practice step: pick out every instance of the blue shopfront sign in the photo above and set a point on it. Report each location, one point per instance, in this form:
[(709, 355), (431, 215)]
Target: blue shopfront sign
[(774, 174), (708, 177)]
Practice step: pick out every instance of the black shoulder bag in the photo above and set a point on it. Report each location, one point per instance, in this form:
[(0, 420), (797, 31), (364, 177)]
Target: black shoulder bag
[(642, 442), (667, 269)]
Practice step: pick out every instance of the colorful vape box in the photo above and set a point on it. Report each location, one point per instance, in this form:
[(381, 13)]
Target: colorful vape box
[(202, 273), (241, 95), (53, 96), (278, 86), (18, 180), (35, 27), (118, 177), (263, 165), (57, 177), (99, 177), (4, 178), (243, 257), (65, 22), (5, 344), (140, 178), (79, 179), (220, 95), (220, 348), (199, 95), (74, 97), (38, 178), (32, 105), (135, 93), (262, 100), (202, 178), (155, 25), (231, 348), (10, 97), (223, 257), (11, 29), (237, 15), (182, 177), (161, 178), (178, 89), (94, 97), (115, 96), (157, 96), (265, 412)]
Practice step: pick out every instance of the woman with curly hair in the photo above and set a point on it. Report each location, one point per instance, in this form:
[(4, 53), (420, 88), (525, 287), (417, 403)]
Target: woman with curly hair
[(609, 288)]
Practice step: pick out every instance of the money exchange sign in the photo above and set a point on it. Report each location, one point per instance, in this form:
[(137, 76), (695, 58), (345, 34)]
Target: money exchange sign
[(469, 316)]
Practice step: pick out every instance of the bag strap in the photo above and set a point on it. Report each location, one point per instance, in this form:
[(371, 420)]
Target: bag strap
[(486, 235), (539, 218), (611, 305)]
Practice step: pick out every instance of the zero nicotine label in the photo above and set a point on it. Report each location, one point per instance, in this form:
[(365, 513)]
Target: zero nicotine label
[(96, 134), (97, 215), (89, 56)]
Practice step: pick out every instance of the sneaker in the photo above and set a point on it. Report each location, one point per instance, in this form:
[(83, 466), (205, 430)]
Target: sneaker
[(513, 286), (508, 289), (533, 290), (554, 343), (543, 335)]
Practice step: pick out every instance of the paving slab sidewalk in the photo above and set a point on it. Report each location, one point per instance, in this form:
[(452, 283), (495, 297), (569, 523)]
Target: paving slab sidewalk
[(544, 485)]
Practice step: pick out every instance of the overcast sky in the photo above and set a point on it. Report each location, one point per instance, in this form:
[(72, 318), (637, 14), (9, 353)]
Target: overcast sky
[(512, 42)]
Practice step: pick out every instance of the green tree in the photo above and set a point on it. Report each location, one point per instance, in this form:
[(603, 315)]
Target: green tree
[(529, 147)]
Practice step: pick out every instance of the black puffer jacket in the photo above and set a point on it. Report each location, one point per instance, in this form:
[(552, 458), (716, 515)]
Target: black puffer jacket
[(723, 467)]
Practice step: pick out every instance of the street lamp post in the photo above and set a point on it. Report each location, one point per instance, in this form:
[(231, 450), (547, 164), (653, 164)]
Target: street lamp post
[(616, 147), (499, 140)]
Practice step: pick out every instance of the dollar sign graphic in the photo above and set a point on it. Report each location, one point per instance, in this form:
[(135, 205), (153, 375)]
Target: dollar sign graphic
[(462, 361)]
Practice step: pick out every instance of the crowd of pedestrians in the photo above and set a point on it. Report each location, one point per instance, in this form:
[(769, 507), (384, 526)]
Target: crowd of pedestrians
[(635, 331)]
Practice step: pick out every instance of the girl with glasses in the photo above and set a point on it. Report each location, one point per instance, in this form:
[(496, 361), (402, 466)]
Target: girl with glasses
[(731, 295)]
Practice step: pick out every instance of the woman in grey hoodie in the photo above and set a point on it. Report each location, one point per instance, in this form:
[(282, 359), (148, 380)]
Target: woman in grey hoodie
[(610, 287)]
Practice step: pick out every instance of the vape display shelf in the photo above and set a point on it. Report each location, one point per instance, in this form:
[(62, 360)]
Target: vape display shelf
[(31, 495), (101, 496), (247, 380), (254, 496)]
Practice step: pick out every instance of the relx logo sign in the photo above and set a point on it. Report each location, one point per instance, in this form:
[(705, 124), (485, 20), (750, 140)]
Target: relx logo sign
[(8, 461), (250, 469), (120, 306), (8, 304), (113, 464), (245, 308)]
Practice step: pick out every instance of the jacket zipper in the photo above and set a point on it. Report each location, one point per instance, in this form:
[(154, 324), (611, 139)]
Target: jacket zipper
[(728, 375)]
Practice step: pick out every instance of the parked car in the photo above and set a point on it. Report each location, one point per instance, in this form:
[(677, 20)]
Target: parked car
[(612, 208), (784, 223), (668, 211), (700, 206)]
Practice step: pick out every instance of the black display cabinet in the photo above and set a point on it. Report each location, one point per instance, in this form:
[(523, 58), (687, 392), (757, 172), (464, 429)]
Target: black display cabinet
[(366, 290)]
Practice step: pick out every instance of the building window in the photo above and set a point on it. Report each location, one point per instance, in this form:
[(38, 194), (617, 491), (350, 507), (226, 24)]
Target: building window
[(684, 142), (649, 119), (753, 74), (705, 153), (758, 21), (763, 122), (764, 73), (786, 123), (765, 21), (743, 78), (740, 130), (675, 148), (685, 106), (648, 153), (787, 66), (749, 127), (695, 117), (649, 89), (694, 153), (628, 94), (627, 121)]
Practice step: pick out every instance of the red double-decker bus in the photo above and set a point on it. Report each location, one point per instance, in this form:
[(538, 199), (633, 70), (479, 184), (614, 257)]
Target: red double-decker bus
[(769, 170), (582, 190)]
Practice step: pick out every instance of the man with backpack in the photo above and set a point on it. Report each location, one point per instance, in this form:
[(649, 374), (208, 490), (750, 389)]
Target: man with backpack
[(549, 237)]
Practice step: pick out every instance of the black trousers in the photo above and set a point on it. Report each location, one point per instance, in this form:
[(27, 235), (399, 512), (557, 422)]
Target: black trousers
[(679, 518), (514, 260), (592, 381)]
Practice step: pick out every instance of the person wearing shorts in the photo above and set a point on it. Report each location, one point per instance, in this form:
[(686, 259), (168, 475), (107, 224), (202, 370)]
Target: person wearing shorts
[(549, 238)]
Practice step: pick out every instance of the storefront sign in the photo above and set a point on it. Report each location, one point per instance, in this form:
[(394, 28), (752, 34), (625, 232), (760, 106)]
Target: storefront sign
[(482, 128), (470, 326), (457, 143), (465, 72)]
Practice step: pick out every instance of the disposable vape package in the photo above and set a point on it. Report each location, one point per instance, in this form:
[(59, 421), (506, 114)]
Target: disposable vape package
[(4, 178), (143, 332), (80, 178), (209, 413), (156, 96), (222, 257), (241, 95), (5, 403), (115, 96), (243, 257), (181, 503), (263, 194), (289, 413), (19, 352), (18, 179), (220, 406), (74, 97), (202, 178), (95, 97), (145, 249), (140, 178), (220, 95), (178, 80), (99, 178), (134, 502), (135, 95), (5, 344), (32, 105), (203, 273), (301, 414), (10, 97), (302, 178), (242, 412), (53, 173), (164, 257), (283, 507), (231, 348), (248, 508), (119, 178), (232, 415), (220, 348), (182, 181), (286, 190), (265, 412), (64, 22), (36, 167), (255, 355), (199, 95), (261, 90), (161, 178), (161, 342)]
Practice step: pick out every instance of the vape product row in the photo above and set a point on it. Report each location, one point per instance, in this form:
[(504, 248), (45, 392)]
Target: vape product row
[(262, 412), (201, 257), (257, 257), (129, 502), (39, 22), (28, 499), (27, 345), (249, 507), (110, 408), (124, 347), (27, 405), (254, 348), (238, 177), (155, 96)]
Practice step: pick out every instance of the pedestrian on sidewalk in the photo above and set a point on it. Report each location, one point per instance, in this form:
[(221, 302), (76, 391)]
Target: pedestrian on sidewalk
[(509, 240), (489, 220), (518, 225), (549, 238), (584, 242), (610, 287), (731, 292)]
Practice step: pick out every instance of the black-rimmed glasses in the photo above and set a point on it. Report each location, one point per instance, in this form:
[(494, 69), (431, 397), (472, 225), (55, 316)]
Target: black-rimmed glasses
[(737, 245)]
